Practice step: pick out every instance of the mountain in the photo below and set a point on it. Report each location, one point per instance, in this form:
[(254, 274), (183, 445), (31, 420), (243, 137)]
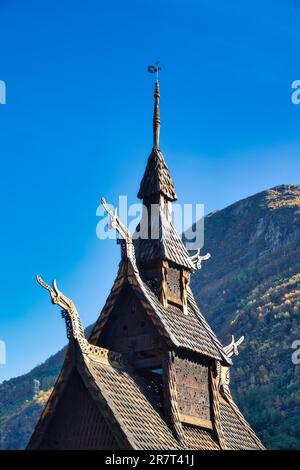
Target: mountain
[(19, 412), (250, 287)]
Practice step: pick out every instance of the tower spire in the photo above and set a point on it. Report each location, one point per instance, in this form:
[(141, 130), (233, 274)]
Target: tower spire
[(156, 116), (157, 179)]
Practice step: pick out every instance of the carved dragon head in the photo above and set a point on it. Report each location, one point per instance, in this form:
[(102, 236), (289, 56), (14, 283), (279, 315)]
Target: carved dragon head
[(232, 348), (57, 296)]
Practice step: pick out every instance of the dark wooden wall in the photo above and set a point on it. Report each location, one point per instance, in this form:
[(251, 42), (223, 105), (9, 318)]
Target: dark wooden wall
[(77, 423), (193, 389), (129, 329)]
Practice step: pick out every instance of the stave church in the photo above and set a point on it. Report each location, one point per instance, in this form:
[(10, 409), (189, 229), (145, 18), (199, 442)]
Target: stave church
[(152, 375)]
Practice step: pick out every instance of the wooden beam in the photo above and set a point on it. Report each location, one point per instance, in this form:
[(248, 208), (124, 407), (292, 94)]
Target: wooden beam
[(203, 423)]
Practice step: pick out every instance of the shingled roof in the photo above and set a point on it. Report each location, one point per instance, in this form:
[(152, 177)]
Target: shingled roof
[(124, 399), (168, 245), (190, 331), (132, 406), (157, 178)]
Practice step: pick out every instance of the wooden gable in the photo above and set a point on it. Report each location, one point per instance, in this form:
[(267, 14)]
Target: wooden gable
[(128, 328), (77, 423)]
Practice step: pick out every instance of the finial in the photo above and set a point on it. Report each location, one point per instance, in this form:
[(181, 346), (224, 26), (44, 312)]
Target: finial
[(232, 348), (156, 68), (156, 117), (122, 230), (71, 316)]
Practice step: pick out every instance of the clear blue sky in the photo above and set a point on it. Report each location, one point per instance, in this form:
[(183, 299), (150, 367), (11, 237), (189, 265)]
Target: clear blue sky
[(77, 125)]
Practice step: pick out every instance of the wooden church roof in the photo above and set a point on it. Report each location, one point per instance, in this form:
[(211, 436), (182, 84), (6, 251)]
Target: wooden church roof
[(167, 246), (125, 401), (157, 178), (156, 183), (108, 391), (132, 405), (190, 331)]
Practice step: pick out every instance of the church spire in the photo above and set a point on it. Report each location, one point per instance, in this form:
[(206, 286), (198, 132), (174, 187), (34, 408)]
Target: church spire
[(157, 179), (156, 116)]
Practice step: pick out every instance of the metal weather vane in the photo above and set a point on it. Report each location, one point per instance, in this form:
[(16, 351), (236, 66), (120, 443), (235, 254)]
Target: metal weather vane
[(156, 68)]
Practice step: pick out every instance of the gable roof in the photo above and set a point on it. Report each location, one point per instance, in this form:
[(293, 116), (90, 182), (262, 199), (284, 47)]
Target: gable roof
[(129, 400), (168, 245), (125, 401), (183, 331)]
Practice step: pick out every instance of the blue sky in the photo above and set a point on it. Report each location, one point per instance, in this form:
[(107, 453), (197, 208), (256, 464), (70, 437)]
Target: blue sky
[(77, 125)]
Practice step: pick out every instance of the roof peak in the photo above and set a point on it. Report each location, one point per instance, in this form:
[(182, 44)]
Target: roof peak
[(157, 178)]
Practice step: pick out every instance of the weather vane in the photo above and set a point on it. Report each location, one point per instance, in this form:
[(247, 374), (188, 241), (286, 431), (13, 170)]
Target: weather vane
[(154, 69)]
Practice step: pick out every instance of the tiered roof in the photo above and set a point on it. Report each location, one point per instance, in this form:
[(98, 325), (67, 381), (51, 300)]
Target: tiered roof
[(126, 401), (168, 246), (123, 398), (190, 332)]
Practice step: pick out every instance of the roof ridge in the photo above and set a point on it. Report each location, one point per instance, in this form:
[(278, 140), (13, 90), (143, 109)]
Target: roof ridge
[(160, 315), (205, 325), (178, 254), (134, 383)]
